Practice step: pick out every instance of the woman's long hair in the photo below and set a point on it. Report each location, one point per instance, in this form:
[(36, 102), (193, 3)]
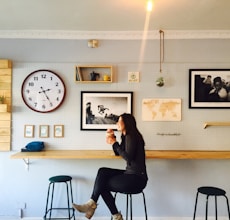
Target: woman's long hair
[(131, 125)]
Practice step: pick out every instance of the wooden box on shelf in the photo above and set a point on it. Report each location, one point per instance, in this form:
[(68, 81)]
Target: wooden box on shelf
[(94, 74), (3, 107), (5, 64)]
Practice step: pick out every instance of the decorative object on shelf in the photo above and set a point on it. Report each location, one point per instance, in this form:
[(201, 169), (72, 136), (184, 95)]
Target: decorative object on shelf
[(29, 131), (2, 98), (160, 81), (34, 146), (43, 131), (93, 43), (43, 91), (209, 88), (94, 74), (106, 78), (58, 131), (101, 110)]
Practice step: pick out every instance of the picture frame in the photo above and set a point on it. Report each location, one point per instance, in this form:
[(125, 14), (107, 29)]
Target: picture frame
[(43, 131), (58, 131), (209, 88), (29, 131), (101, 110)]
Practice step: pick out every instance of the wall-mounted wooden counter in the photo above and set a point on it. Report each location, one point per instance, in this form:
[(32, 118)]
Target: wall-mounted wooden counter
[(108, 154)]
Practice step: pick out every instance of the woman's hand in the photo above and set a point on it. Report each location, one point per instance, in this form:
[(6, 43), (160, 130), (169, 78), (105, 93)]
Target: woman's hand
[(110, 137)]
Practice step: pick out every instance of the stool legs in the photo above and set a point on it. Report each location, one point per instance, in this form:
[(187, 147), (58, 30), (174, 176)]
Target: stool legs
[(129, 204), (49, 210), (227, 206), (206, 210), (194, 214), (71, 195), (128, 196), (67, 190), (146, 217)]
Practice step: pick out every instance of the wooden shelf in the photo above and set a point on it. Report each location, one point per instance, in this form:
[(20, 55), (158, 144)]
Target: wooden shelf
[(94, 74), (207, 124), (108, 154), (6, 108)]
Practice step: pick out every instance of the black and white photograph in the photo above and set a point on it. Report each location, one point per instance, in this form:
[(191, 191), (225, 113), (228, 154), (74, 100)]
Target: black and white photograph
[(101, 110), (209, 88)]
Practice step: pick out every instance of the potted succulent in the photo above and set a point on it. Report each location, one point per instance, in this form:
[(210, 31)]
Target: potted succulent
[(2, 98)]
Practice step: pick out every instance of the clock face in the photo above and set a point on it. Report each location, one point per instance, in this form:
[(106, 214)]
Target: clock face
[(43, 91)]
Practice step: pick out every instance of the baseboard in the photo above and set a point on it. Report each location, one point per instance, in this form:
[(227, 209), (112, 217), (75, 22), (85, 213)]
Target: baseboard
[(107, 217)]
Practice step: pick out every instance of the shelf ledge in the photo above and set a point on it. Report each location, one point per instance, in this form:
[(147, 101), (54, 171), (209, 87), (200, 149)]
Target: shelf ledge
[(207, 124)]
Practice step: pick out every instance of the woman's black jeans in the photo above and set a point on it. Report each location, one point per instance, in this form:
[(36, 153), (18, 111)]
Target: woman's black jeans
[(114, 180)]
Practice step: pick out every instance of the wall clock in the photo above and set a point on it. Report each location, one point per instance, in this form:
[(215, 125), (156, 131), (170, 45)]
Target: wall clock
[(43, 91)]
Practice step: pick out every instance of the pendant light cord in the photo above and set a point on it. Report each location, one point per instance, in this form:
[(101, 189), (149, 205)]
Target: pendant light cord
[(161, 49)]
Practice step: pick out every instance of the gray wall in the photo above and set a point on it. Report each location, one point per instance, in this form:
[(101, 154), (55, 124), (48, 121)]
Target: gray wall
[(172, 183)]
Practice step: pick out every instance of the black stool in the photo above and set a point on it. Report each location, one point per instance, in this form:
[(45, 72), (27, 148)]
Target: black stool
[(129, 203), (210, 191), (59, 179)]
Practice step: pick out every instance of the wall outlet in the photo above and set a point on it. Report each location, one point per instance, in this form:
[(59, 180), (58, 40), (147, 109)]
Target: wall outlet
[(21, 205)]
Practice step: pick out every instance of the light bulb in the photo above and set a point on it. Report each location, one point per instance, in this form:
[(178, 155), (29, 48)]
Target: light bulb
[(149, 5)]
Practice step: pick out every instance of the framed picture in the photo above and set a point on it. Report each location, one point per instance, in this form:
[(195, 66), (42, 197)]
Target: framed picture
[(43, 131), (29, 131), (101, 110), (209, 88), (58, 131)]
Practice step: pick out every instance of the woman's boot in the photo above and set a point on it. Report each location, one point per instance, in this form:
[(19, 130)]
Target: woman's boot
[(118, 216), (88, 208)]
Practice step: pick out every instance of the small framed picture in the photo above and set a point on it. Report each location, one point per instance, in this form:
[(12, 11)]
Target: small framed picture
[(29, 131), (58, 131), (43, 131)]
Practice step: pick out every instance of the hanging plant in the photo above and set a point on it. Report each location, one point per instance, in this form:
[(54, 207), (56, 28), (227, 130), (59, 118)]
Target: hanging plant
[(160, 81), (2, 98)]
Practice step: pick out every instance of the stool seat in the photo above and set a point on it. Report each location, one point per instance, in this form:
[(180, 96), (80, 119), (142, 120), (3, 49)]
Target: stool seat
[(61, 178), (211, 191), (49, 202)]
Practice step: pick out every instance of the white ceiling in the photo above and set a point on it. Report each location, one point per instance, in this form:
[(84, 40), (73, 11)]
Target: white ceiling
[(113, 15)]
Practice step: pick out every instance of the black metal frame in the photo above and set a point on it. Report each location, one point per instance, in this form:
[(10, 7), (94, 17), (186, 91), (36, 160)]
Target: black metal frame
[(112, 100), (129, 204), (49, 210)]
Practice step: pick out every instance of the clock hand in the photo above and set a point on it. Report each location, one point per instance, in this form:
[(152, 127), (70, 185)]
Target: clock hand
[(44, 91)]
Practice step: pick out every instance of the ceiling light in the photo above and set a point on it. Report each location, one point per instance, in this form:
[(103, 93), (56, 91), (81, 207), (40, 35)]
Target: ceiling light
[(149, 5)]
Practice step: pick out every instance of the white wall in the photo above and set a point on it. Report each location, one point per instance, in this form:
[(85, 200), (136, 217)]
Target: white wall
[(172, 183)]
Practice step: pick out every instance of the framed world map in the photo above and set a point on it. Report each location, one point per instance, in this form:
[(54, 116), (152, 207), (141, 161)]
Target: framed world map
[(161, 109)]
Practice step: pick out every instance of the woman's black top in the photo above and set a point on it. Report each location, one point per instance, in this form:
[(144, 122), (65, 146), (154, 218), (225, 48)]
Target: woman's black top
[(132, 150)]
